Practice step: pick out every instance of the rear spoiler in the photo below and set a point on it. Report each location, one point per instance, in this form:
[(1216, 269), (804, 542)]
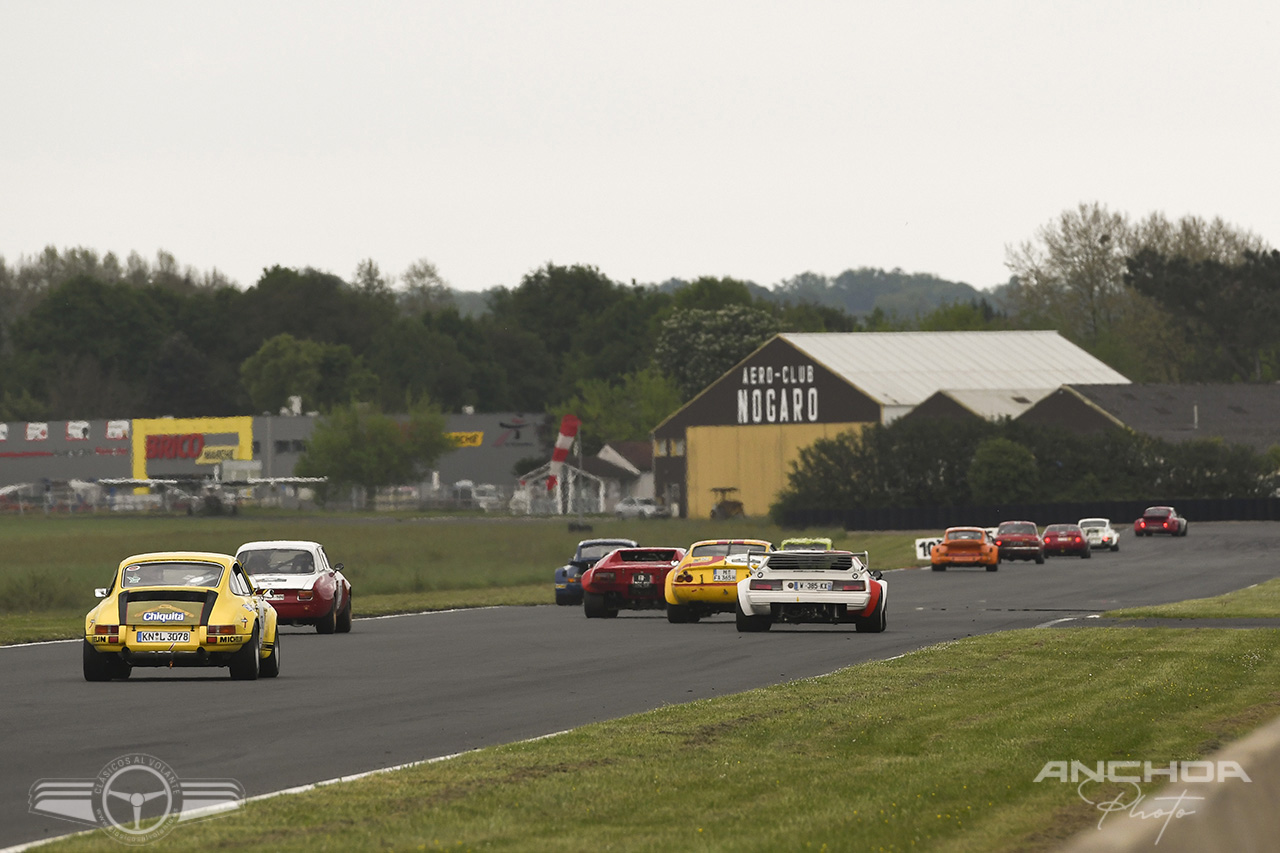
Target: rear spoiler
[(841, 561)]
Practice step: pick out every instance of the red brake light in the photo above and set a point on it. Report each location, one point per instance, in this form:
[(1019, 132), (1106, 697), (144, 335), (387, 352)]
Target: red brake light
[(305, 594), (220, 629), (763, 584), (604, 576), (106, 629), (852, 586)]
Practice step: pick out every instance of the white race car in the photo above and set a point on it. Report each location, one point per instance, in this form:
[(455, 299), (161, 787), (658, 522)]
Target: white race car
[(812, 586), (1100, 533)]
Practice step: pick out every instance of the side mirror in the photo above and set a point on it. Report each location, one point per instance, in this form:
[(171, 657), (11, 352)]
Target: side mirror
[(878, 575), (100, 592), (338, 567)]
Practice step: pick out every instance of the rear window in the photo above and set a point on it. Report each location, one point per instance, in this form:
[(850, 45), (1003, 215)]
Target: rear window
[(966, 534), (277, 561), (647, 555), (1094, 522), (726, 549), (204, 575), (1157, 510), (1060, 528), (595, 552), (1016, 527)]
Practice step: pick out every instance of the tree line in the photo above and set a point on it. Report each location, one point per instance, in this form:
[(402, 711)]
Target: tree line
[(84, 335)]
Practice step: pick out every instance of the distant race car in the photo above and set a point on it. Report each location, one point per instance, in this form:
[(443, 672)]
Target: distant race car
[(300, 582), (628, 579), (1019, 540), (569, 576), (834, 587), (181, 608), (1100, 533), (1066, 540), (1160, 519), (808, 543), (706, 581), (965, 546)]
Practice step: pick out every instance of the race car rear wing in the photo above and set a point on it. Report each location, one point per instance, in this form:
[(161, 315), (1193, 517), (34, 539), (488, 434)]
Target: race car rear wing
[(838, 561)]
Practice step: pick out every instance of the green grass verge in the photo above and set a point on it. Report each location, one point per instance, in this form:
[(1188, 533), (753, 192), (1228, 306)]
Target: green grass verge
[(395, 563), (1256, 602), (937, 750)]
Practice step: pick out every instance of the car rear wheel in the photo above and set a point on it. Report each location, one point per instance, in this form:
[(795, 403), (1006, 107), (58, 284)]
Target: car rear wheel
[(679, 614), (1040, 559), (1086, 554), (97, 666), (328, 623), (875, 623), (344, 618), (246, 663), (593, 605), (937, 567), (993, 567), (750, 623), (270, 667)]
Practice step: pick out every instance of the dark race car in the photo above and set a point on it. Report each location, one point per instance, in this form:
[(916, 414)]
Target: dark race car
[(1160, 519), (569, 576), (1067, 540), (1019, 540), (628, 579)]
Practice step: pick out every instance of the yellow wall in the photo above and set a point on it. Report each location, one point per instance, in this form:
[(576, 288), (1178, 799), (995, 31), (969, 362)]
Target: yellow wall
[(143, 427), (756, 459)]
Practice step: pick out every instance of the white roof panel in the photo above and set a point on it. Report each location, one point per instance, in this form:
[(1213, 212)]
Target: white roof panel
[(904, 368), (992, 405)]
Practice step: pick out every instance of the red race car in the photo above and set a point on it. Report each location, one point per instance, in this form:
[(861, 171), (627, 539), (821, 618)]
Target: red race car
[(628, 579), (1018, 540), (1160, 519), (1067, 540), (301, 584)]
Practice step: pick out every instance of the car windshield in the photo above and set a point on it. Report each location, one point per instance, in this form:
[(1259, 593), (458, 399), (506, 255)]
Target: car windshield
[(966, 534), (1016, 527), (726, 549), (277, 561), (647, 555), (595, 552), (1094, 522), (171, 574), (1157, 510)]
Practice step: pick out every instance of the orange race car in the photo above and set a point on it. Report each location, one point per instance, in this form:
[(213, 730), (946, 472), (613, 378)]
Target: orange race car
[(965, 546)]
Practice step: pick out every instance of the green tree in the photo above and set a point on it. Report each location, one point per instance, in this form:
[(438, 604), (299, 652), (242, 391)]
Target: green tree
[(625, 411), (696, 347), (323, 375), (1002, 471), (358, 446)]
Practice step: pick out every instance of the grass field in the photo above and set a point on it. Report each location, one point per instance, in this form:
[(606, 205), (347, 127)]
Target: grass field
[(49, 566), (938, 750)]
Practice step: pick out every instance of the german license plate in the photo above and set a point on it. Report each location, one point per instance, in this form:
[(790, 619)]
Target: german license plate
[(810, 586), (164, 636), (722, 575)]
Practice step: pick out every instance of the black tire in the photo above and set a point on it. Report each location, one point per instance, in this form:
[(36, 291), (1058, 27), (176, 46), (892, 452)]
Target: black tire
[(1115, 547), (1040, 559), (875, 623), (751, 624), (329, 623), (593, 605), (344, 618), (270, 666), (611, 614), (993, 568), (679, 614), (97, 665), (938, 568), (246, 663), (1087, 554)]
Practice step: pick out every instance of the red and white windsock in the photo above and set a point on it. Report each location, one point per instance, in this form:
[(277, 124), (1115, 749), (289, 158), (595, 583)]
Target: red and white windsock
[(564, 442)]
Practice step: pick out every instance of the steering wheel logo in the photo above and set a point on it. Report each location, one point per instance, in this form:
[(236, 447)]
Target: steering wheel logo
[(138, 798)]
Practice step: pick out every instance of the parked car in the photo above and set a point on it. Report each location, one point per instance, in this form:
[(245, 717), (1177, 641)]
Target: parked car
[(706, 581), (637, 508), (1066, 540), (812, 586), (1019, 540), (181, 608), (965, 546), (1100, 533), (1160, 519), (569, 576), (300, 582), (628, 579)]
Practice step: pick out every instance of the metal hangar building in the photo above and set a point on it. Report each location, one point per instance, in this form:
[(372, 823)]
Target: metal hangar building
[(744, 430)]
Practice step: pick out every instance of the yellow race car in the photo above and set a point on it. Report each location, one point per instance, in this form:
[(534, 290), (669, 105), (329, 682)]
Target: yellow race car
[(181, 608), (706, 580)]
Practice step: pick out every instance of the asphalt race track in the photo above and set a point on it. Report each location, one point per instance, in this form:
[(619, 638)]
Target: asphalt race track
[(408, 688)]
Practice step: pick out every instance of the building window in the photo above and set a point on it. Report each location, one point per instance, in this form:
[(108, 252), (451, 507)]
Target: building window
[(257, 448), (283, 446), (677, 447), (659, 447)]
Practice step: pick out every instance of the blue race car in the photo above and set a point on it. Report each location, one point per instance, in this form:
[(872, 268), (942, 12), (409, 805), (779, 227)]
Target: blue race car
[(569, 576)]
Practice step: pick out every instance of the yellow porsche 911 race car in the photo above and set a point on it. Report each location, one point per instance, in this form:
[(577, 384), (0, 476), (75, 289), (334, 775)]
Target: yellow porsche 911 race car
[(706, 580), (181, 608)]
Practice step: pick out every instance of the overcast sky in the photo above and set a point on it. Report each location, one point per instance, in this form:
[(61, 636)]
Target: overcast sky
[(652, 140)]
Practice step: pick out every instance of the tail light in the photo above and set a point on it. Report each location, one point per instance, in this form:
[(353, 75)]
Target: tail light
[(605, 577), (999, 542), (112, 632), (220, 629), (684, 577), (305, 595), (850, 586), (763, 584)]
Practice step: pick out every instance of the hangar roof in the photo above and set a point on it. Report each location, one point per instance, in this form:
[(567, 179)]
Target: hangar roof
[(904, 368), (1237, 413), (995, 404)]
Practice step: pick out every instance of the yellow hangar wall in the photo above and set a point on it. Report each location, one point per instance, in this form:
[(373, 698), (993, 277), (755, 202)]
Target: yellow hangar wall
[(756, 459)]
